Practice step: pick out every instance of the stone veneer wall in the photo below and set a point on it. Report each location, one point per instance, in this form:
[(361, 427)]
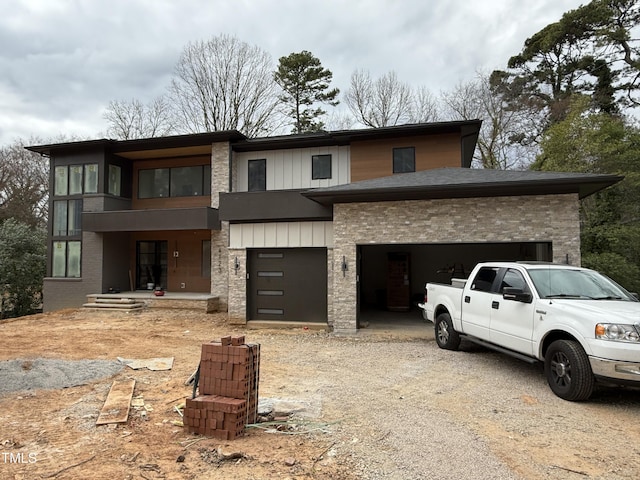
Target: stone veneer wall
[(220, 238), (238, 287), (549, 218)]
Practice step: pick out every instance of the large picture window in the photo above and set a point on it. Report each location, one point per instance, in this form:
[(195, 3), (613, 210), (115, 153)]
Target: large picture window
[(75, 179), (175, 182), (404, 160)]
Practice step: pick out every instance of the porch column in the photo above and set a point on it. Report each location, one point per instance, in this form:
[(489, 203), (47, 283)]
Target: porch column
[(220, 154)]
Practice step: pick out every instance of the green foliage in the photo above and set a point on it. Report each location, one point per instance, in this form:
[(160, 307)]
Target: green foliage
[(304, 83), (616, 267), (22, 268), (590, 51), (604, 144)]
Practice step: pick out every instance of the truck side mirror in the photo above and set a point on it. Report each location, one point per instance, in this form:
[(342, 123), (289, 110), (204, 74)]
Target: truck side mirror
[(516, 294)]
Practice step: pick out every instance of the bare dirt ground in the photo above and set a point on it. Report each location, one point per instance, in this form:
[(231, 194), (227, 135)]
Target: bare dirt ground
[(375, 406)]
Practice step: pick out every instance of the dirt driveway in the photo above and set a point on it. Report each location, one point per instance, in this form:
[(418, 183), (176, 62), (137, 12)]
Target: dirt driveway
[(373, 406)]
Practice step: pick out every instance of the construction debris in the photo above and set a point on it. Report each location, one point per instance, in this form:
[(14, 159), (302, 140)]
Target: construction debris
[(227, 388), (116, 406), (153, 364)]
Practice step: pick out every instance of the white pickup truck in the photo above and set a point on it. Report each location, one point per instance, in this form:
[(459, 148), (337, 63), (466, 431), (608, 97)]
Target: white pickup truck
[(582, 325)]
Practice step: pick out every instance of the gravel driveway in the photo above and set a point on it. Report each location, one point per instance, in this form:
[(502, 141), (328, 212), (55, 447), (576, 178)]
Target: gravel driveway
[(409, 410), (396, 406)]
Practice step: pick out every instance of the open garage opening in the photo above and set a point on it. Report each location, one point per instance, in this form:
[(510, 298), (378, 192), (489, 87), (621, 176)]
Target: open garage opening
[(392, 276)]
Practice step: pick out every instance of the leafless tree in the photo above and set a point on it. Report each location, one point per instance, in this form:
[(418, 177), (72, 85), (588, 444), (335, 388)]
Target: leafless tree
[(379, 103), (133, 119), (425, 106), (225, 84), (24, 184), (502, 126)]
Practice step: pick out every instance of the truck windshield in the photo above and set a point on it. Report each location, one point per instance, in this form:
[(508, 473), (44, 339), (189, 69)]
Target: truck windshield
[(572, 283)]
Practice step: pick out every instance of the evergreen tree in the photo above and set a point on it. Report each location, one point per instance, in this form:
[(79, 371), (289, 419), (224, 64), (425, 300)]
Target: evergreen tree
[(22, 261), (305, 83)]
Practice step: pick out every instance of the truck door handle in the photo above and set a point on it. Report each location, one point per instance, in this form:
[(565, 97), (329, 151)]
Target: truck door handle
[(467, 299), (495, 305)]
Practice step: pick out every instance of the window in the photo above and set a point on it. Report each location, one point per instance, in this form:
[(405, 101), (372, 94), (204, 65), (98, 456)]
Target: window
[(174, 182), (514, 279), (258, 175), (115, 174), (484, 279), (75, 179), (320, 167), (61, 181), (67, 217), (66, 259), (404, 160), (91, 178), (153, 183), (186, 181)]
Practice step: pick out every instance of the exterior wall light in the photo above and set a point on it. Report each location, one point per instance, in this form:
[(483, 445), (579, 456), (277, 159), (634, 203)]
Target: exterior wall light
[(344, 266)]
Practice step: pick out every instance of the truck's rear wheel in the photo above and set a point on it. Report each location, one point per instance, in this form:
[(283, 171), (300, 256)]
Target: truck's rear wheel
[(446, 336), (568, 371)]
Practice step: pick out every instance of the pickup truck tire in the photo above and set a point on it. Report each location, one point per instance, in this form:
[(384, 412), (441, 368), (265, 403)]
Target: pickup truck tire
[(446, 337), (568, 371)]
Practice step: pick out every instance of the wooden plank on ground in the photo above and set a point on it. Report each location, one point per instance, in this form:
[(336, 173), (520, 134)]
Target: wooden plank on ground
[(116, 406)]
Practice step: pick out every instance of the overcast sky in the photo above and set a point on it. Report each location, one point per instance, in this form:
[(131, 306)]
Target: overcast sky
[(62, 61)]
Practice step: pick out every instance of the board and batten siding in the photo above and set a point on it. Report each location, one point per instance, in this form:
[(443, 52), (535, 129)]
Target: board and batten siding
[(281, 235), (291, 168)]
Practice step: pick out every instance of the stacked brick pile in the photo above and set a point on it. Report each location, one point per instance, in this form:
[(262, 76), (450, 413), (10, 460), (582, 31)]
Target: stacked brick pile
[(227, 389)]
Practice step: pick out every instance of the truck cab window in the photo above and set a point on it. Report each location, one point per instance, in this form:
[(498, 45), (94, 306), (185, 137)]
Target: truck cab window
[(514, 279), (484, 279)]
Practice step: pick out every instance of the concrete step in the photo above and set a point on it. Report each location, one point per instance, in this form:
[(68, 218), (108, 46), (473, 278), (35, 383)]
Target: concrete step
[(116, 306), (114, 300)]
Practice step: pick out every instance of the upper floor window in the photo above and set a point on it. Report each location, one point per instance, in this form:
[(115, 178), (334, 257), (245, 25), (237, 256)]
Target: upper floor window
[(258, 175), (115, 177), (404, 160), (320, 167), (174, 182), (75, 179), (67, 218)]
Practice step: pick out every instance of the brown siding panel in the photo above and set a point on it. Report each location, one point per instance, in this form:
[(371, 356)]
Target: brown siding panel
[(374, 158)]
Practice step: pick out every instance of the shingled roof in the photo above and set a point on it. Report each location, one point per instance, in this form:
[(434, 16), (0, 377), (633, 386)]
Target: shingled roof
[(462, 183)]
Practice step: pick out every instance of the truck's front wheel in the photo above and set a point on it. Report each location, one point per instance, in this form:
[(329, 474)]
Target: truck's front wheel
[(446, 336), (568, 371)]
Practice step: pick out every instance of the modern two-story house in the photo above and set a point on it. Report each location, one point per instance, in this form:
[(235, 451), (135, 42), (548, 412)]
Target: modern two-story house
[(314, 228)]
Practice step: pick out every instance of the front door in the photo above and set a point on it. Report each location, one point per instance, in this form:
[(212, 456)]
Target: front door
[(151, 264)]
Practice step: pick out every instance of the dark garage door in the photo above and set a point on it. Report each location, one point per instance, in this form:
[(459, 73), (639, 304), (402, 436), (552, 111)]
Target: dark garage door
[(287, 284)]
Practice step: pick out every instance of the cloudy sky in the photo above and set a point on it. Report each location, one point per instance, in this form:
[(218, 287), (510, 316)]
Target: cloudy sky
[(62, 61)]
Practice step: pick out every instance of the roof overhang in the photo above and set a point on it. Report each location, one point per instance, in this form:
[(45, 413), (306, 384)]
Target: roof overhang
[(467, 129), (200, 218), (462, 183), (271, 206), (157, 147)]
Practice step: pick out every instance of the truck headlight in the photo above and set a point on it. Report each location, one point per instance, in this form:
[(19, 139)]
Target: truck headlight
[(618, 332)]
